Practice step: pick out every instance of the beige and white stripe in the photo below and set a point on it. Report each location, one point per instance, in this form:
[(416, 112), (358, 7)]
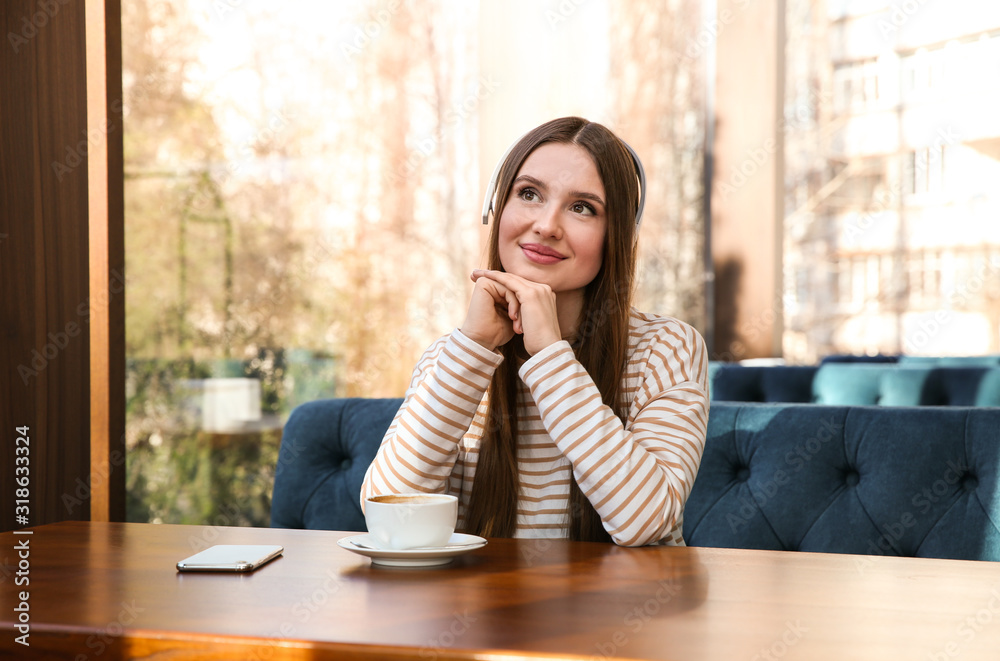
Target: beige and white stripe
[(637, 475)]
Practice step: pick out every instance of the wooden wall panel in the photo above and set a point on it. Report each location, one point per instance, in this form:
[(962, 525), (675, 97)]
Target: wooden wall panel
[(748, 179), (45, 228), (107, 261), (19, 315)]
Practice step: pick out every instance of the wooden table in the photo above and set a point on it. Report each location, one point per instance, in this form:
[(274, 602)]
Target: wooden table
[(109, 591)]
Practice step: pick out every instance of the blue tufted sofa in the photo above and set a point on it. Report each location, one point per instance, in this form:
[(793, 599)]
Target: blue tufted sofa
[(865, 480), (912, 383)]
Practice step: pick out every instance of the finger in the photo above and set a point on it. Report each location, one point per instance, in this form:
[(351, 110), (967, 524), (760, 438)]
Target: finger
[(514, 311), (513, 306), (508, 280), (494, 289)]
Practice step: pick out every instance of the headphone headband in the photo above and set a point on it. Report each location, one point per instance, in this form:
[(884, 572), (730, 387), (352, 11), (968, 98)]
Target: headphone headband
[(492, 186)]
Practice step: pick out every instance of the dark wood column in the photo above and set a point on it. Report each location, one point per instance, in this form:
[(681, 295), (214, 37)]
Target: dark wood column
[(748, 186), (61, 259)]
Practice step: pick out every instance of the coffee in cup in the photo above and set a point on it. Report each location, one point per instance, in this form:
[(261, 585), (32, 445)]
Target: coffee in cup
[(408, 521)]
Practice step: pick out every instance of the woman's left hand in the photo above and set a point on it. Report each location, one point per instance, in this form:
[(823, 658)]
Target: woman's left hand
[(532, 308)]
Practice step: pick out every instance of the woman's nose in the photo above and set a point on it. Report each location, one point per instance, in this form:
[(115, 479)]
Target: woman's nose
[(547, 222)]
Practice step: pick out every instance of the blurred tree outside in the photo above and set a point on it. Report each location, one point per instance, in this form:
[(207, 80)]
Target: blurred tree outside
[(281, 194), (659, 107)]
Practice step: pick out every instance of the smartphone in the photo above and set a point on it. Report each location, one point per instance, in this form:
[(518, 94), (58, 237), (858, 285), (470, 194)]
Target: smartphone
[(231, 557)]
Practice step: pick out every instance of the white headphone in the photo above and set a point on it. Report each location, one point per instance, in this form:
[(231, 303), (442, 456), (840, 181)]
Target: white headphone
[(492, 187)]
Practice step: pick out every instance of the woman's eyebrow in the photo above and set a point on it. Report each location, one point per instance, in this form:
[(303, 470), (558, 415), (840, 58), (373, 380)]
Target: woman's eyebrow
[(531, 180), (587, 196), (580, 194)]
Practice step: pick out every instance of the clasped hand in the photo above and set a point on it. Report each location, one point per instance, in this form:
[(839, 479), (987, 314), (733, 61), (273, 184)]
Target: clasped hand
[(504, 304)]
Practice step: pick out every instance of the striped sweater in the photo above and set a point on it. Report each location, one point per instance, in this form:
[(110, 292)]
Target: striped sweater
[(637, 475)]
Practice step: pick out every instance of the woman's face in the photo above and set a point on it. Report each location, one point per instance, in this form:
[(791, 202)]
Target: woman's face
[(553, 225)]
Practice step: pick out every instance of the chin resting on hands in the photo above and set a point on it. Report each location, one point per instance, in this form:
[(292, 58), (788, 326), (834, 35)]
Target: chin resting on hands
[(504, 304)]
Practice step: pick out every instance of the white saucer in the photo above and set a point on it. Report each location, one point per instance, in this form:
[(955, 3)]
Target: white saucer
[(430, 557)]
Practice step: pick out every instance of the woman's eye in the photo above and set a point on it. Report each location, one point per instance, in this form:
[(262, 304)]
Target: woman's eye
[(584, 208), (528, 195)]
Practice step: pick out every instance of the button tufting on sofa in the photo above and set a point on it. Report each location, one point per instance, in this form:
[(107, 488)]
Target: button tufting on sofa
[(326, 448), (914, 498), (931, 484)]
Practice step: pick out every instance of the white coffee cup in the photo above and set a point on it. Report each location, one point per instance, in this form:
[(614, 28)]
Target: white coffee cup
[(409, 521)]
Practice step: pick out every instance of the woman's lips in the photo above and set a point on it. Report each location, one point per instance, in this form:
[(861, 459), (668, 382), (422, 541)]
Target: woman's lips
[(541, 254)]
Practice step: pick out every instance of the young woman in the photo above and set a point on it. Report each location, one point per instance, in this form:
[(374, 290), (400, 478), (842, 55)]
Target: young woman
[(557, 410)]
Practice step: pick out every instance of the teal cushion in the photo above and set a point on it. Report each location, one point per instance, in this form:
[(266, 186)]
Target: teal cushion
[(941, 386), (991, 360), (989, 389), (849, 384), (904, 386)]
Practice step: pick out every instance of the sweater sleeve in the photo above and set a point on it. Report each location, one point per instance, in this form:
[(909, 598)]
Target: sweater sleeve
[(419, 449), (637, 475)]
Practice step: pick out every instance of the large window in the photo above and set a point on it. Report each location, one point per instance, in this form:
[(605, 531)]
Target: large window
[(891, 182), (303, 185)]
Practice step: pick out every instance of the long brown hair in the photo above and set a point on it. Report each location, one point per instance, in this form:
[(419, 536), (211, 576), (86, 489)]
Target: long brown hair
[(601, 342)]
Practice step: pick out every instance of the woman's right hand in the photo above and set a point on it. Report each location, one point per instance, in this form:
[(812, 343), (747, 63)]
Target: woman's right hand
[(489, 320)]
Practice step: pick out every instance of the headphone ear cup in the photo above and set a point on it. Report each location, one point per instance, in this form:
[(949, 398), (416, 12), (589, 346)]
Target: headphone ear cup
[(491, 188), (640, 174), (488, 204)]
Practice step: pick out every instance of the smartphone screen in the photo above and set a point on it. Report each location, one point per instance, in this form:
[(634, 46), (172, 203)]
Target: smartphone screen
[(231, 557)]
